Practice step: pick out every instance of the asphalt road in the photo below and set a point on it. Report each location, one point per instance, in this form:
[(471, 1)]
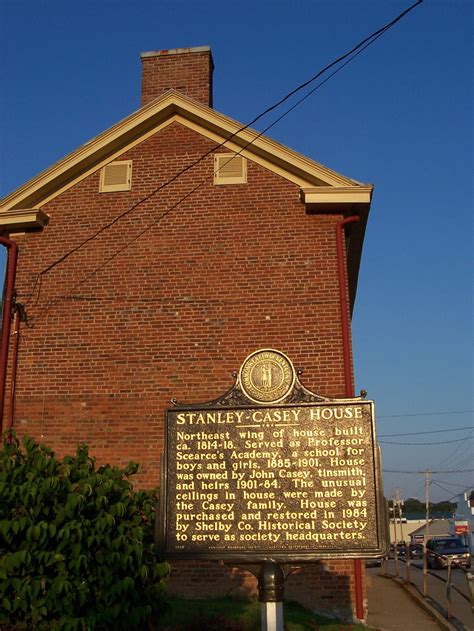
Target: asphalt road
[(458, 577)]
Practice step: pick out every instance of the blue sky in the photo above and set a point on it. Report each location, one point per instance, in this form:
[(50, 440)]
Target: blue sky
[(399, 116)]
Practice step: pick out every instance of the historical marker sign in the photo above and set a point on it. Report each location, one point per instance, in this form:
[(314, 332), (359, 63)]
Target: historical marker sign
[(292, 480)]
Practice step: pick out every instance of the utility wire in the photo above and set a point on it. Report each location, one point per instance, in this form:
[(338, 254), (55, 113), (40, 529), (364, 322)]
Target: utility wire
[(458, 450), (454, 497), (467, 460), (441, 442), (182, 199), (440, 486), (463, 486), (467, 490), (351, 53), (348, 56), (435, 431), (446, 461), (424, 414), (456, 453), (43, 313)]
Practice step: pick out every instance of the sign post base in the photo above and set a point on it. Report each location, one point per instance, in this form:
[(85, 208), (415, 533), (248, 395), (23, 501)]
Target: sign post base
[(272, 616), (271, 584)]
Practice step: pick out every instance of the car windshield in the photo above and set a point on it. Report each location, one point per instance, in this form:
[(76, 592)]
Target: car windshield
[(449, 544)]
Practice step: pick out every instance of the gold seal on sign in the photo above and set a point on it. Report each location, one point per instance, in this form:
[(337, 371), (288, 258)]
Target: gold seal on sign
[(267, 376)]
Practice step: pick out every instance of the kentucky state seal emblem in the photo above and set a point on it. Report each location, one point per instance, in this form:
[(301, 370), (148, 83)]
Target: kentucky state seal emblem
[(267, 376)]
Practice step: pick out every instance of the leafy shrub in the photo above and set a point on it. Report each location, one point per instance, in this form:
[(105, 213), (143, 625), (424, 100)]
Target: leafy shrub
[(76, 543)]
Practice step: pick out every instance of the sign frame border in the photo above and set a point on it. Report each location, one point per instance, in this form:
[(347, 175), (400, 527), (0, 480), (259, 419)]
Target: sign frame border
[(288, 556)]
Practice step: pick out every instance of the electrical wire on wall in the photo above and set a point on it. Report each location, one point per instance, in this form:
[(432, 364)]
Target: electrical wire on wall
[(343, 60)]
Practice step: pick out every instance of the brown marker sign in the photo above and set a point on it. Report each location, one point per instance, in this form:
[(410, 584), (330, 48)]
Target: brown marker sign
[(295, 481)]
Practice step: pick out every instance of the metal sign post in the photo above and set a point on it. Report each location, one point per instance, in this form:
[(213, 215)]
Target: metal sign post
[(271, 582), (270, 473)]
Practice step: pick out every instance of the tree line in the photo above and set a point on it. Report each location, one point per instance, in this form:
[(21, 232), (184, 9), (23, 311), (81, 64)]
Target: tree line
[(413, 505)]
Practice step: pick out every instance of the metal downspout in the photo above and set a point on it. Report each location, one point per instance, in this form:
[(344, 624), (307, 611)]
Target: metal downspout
[(348, 383), (6, 319), (19, 318)]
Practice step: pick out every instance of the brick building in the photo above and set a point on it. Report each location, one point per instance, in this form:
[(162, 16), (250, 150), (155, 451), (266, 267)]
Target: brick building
[(196, 261)]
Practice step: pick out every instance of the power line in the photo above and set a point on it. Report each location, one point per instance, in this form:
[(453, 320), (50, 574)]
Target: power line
[(455, 454), (466, 489), (424, 414), (115, 254), (188, 194), (165, 213), (350, 54), (441, 442), (440, 486), (436, 431), (446, 490), (454, 497), (461, 448), (361, 44), (463, 486), (462, 463)]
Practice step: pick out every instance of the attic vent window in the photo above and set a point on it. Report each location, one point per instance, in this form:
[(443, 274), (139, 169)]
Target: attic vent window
[(230, 169), (116, 176)]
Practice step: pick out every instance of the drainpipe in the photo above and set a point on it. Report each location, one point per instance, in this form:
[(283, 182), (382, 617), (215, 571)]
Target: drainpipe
[(341, 271), (19, 318), (6, 319), (348, 384)]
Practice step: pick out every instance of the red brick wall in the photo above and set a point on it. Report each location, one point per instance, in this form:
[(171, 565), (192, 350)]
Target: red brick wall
[(326, 587), (229, 270), (188, 72)]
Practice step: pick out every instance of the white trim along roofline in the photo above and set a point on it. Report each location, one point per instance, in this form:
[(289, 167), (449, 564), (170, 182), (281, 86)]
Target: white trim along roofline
[(174, 106)]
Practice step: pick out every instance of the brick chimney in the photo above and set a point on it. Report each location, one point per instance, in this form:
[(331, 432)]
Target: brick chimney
[(187, 70)]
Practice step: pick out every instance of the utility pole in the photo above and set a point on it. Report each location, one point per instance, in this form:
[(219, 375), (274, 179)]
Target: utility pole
[(427, 532), (399, 503), (427, 506), (395, 537)]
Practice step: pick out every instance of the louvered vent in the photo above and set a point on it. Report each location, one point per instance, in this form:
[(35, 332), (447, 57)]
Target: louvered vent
[(229, 169), (116, 176)]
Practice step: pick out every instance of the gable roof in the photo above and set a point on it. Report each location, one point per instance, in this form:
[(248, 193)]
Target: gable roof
[(174, 106), (321, 188), (437, 527)]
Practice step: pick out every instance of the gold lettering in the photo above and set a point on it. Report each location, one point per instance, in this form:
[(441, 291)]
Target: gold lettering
[(244, 478)]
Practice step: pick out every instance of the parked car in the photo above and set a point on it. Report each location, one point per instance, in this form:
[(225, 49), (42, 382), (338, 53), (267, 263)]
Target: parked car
[(401, 550), (416, 551), (438, 550), (373, 563)]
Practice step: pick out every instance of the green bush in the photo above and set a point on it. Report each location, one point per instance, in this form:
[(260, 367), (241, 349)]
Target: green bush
[(76, 543)]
